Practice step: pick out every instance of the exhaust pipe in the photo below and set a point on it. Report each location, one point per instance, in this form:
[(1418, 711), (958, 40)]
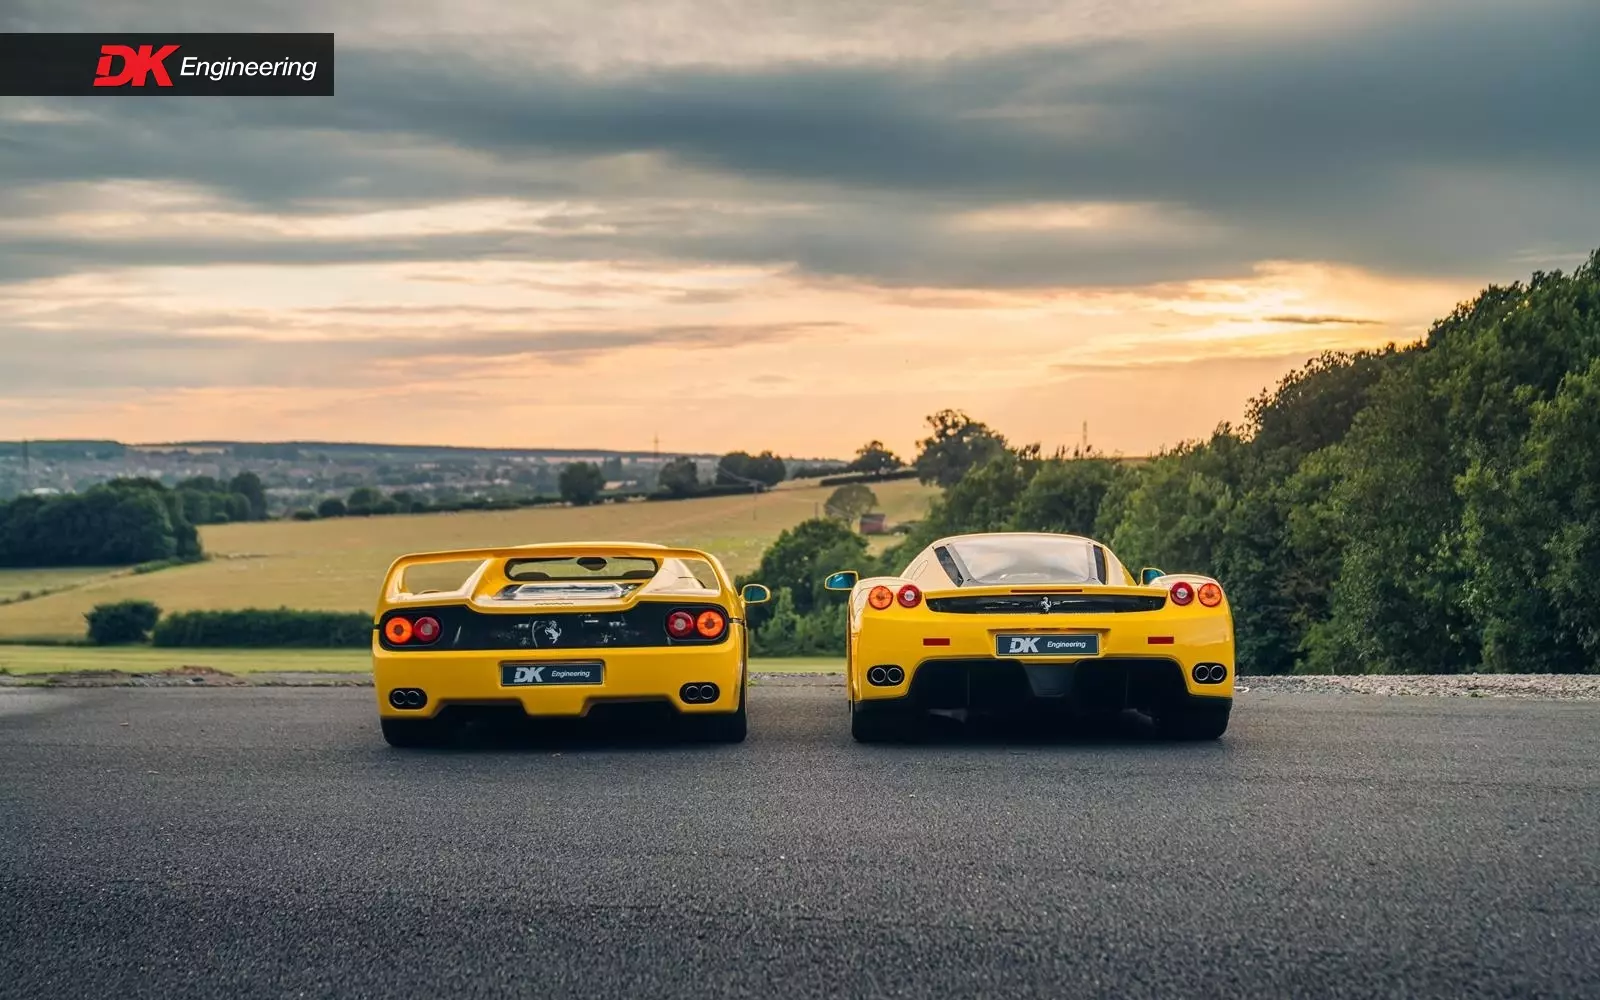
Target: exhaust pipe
[(877, 675), (408, 698), (696, 694), (895, 675)]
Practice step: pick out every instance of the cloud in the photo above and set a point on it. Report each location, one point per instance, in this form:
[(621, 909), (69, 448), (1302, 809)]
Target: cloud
[(1414, 142), (1321, 320)]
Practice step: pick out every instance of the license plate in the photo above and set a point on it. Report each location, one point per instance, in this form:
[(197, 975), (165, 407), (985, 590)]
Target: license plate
[(529, 674), (1047, 645)]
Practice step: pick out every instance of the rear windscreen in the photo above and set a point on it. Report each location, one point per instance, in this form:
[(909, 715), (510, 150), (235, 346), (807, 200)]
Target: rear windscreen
[(1022, 559), (585, 568)]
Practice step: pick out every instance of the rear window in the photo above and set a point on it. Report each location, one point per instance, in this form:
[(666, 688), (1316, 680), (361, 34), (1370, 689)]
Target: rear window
[(568, 568), (1021, 559)]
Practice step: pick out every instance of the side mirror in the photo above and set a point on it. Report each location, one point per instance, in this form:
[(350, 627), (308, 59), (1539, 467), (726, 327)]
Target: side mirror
[(842, 580), (1149, 574), (755, 593)]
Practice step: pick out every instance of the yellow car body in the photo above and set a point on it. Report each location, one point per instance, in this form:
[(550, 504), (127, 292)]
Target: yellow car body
[(1006, 622), (559, 629)]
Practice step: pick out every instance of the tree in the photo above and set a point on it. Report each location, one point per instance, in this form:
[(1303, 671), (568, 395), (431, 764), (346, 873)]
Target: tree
[(680, 477), (248, 485), (331, 507), (581, 483), (802, 556), (363, 499), (849, 502), (958, 443), (874, 459), (121, 622), (1066, 495), (738, 468)]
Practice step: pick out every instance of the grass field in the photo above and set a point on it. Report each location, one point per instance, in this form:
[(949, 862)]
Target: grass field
[(144, 659), (16, 582), (338, 564)]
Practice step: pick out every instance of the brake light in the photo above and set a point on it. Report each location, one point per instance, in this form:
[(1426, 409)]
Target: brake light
[(909, 596), (398, 631), (426, 629), (880, 597), (1182, 593), (710, 624), (1210, 595), (680, 624)]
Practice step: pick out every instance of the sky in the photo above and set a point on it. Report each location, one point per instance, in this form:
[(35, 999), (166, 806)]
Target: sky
[(770, 225)]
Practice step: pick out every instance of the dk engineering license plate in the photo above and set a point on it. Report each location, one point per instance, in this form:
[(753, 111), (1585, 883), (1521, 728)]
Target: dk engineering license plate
[(1047, 645), (525, 674)]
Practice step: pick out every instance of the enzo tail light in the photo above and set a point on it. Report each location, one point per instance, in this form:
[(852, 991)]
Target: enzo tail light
[(909, 596), (1210, 595), (398, 631), (426, 629), (1182, 593), (880, 597), (710, 624), (680, 624)]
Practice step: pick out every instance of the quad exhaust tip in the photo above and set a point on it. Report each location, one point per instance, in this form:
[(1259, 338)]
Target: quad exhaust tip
[(408, 698), (699, 694), (1209, 673)]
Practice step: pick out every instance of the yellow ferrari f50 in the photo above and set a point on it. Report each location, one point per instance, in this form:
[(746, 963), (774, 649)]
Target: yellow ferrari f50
[(1007, 622), (556, 630)]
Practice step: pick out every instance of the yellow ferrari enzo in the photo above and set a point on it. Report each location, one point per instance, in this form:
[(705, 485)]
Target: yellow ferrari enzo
[(556, 630), (1008, 622)]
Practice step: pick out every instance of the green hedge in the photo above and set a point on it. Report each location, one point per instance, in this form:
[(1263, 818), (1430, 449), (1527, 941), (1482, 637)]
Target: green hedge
[(258, 627)]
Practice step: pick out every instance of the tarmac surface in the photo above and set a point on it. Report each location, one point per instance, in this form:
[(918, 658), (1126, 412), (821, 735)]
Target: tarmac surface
[(264, 842)]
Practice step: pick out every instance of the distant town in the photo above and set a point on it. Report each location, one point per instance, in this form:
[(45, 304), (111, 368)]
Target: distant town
[(299, 474)]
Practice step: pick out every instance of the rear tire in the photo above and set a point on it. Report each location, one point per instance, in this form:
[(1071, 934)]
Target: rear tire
[(723, 728), (410, 733), (1195, 722), (878, 724)]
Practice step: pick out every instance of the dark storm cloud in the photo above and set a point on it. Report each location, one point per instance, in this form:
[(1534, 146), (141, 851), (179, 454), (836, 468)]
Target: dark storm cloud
[(1446, 139)]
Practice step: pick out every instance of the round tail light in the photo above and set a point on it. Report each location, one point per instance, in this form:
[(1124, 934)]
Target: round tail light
[(710, 624), (909, 596), (398, 631), (1182, 593), (426, 629), (680, 624), (880, 597), (1210, 595)]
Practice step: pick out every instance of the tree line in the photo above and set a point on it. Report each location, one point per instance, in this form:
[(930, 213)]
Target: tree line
[(1427, 509)]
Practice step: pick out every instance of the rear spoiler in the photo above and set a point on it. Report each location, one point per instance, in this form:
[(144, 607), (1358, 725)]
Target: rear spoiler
[(392, 581)]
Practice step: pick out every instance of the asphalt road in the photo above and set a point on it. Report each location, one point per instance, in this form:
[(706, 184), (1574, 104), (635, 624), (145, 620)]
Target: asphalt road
[(265, 843)]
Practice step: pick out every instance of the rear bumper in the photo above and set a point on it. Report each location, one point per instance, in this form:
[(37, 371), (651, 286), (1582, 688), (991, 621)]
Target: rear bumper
[(629, 675), (1136, 651), (1104, 685)]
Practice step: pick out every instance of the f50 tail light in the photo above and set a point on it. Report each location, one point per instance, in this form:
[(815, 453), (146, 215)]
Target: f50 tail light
[(710, 624), (909, 596), (1182, 594), (680, 624), (399, 631), (1210, 595), (425, 629), (880, 597)]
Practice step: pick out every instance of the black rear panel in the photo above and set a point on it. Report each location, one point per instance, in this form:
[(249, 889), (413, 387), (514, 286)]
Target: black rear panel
[(1106, 684), (644, 624), (1046, 604)]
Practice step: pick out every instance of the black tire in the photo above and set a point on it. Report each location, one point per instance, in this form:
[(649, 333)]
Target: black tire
[(410, 733), (1194, 722), (730, 727), (878, 724)]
